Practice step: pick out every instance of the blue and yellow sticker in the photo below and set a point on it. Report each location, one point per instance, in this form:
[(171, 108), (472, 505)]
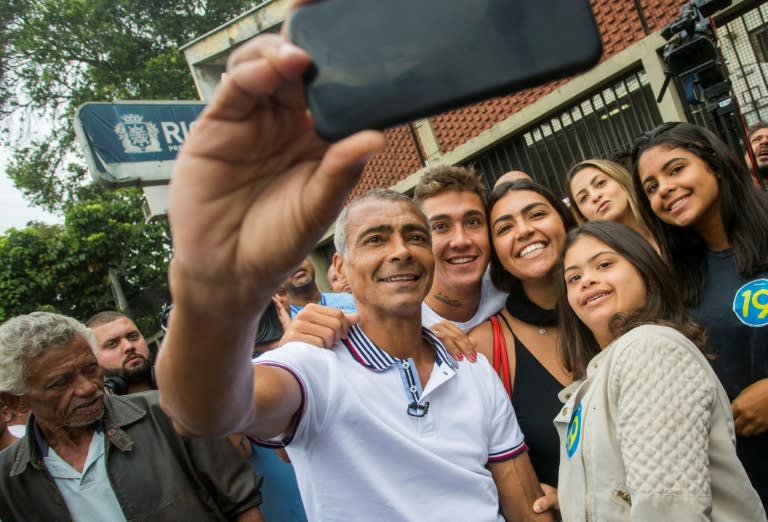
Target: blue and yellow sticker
[(750, 304), (573, 433)]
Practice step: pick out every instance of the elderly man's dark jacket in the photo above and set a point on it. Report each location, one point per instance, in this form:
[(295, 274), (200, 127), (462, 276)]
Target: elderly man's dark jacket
[(156, 474)]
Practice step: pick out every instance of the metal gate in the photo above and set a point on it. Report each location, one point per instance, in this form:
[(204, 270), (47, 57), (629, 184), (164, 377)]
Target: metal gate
[(743, 41), (602, 124)]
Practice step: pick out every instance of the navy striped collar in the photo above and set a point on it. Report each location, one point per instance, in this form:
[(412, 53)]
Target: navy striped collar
[(375, 359)]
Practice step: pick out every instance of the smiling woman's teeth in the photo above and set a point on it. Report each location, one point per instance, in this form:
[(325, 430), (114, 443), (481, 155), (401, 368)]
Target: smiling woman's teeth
[(677, 203), (595, 297), (531, 249)]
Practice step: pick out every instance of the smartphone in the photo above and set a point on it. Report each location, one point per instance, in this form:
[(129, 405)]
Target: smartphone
[(378, 63)]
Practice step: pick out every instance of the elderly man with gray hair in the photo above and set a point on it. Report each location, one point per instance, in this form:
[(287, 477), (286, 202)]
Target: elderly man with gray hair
[(87, 455)]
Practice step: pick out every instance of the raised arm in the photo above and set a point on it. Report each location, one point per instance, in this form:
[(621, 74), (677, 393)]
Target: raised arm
[(253, 190)]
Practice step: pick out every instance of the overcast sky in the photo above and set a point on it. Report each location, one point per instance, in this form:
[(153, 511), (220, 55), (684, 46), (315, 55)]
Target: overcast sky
[(14, 210)]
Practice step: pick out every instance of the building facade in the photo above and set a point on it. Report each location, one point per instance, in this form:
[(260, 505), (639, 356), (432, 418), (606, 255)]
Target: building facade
[(544, 130)]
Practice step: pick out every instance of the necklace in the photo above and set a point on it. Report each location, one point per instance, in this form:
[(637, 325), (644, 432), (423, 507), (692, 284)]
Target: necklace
[(524, 309)]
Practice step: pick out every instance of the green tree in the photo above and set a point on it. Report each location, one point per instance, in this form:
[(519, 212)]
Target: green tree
[(27, 280), (57, 54), (64, 268), (54, 56)]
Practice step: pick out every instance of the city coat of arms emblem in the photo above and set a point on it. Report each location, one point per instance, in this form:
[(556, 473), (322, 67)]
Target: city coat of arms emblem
[(137, 135)]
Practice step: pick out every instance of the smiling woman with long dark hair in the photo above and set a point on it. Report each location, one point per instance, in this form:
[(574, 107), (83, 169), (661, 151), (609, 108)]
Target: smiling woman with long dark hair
[(528, 225), (712, 227)]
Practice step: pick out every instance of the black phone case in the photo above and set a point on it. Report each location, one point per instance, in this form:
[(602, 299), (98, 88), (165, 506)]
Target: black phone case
[(377, 63)]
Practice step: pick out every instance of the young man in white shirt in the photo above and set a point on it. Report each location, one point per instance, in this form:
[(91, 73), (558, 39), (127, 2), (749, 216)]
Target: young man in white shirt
[(453, 200)]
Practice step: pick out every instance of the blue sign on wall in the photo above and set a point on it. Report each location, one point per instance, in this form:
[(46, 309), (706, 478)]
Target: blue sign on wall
[(130, 143)]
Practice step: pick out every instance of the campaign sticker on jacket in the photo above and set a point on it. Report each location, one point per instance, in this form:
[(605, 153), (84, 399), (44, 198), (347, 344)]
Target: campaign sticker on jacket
[(573, 433), (750, 304)]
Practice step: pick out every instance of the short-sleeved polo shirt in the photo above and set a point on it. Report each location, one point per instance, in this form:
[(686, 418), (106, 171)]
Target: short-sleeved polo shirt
[(371, 444)]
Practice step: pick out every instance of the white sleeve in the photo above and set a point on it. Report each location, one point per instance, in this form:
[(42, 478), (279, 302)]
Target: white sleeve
[(664, 399), (310, 367)]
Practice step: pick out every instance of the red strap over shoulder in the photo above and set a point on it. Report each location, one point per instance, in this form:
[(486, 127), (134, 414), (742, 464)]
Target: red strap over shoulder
[(500, 359)]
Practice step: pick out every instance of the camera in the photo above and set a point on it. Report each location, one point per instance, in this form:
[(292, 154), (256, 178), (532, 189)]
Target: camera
[(693, 17), (693, 55), (695, 48)]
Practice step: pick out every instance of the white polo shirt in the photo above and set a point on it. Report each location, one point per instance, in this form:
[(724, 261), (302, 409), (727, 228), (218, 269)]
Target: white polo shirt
[(370, 444)]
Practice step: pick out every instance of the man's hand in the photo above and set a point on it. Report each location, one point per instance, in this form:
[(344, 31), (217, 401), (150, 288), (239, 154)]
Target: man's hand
[(750, 409), (549, 502), (283, 314), (254, 186), (319, 325), (455, 340)]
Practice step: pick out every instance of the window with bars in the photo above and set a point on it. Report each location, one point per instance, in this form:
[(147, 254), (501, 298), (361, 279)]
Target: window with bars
[(602, 124)]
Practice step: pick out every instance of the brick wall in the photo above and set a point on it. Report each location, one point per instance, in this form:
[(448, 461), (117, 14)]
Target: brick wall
[(620, 26)]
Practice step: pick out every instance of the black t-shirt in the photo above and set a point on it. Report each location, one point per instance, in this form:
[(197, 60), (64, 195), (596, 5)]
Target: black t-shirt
[(734, 309)]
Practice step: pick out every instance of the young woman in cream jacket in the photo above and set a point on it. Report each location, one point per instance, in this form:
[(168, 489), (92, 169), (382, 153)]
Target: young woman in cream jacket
[(646, 428)]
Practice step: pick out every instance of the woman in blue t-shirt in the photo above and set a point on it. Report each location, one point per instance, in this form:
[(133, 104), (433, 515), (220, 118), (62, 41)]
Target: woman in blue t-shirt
[(711, 224)]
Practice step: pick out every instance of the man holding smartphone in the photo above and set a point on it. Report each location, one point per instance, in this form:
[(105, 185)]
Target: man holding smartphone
[(245, 212)]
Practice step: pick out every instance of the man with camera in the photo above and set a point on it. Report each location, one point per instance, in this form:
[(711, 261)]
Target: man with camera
[(462, 294), (246, 211)]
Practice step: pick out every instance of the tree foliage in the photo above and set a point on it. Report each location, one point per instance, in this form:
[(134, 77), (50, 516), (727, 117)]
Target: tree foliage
[(54, 56), (57, 54), (65, 268)]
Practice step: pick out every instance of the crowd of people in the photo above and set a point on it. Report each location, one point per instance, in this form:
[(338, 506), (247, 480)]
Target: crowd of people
[(502, 356)]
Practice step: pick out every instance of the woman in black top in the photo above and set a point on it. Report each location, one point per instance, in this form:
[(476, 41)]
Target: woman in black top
[(528, 226)]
